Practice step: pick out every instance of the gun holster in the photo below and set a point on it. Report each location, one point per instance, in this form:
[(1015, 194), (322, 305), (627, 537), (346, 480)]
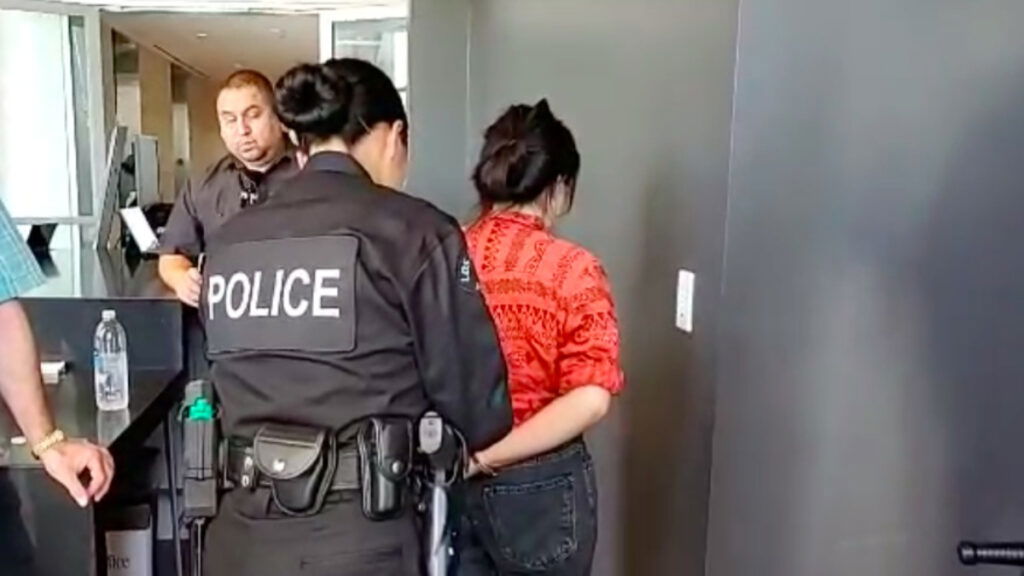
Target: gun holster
[(299, 462), (386, 459)]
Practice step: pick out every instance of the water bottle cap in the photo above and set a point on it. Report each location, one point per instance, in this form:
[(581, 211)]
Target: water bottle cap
[(109, 315)]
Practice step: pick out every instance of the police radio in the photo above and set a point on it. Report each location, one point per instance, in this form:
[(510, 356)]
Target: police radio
[(200, 462)]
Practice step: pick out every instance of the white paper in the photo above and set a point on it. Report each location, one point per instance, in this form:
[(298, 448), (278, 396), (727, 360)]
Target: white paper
[(52, 371)]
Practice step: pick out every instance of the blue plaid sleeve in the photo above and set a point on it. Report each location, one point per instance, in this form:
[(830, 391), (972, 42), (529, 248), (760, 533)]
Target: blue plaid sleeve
[(19, 271)]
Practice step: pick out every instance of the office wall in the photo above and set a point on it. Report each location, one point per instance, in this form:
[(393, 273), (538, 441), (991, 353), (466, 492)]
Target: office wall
[(870, 372), (129, 102), (205, 145), (438, 68), (646, 86), (152, 88), (156, 114)]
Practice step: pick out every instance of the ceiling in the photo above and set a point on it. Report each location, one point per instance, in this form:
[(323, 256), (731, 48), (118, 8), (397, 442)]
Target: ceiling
[(215, 45), (282, 6)]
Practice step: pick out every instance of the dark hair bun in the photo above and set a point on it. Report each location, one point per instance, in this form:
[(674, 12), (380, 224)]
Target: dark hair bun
[(313, 99), (526, 151), (343, 97)]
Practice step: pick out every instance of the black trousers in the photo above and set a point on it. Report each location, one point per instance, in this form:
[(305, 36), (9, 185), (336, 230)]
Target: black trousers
[(16, 550), (538, 518), (248, 537)]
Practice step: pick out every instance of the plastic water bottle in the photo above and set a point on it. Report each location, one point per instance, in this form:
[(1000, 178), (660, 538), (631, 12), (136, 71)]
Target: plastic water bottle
[(110, 363)]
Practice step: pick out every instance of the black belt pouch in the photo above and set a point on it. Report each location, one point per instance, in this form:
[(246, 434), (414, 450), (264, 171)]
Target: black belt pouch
[(386, 452), (300, 462)]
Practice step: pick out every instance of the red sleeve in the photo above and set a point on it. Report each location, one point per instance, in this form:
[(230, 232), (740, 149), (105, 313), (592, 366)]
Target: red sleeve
[(589, 348)]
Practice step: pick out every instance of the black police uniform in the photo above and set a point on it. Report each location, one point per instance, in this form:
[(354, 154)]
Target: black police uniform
[(331, 302), (202, 207), (225, 189)]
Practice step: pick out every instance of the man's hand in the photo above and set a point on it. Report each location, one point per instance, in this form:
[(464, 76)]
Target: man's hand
[(181, 276), (69, 459), (189, 287)]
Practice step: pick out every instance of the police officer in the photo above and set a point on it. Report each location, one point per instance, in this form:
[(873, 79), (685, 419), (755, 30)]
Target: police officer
[(338, 300), (258, 160)]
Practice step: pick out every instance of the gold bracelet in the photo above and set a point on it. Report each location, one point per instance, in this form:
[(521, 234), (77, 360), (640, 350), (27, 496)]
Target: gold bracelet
[(51, 440)]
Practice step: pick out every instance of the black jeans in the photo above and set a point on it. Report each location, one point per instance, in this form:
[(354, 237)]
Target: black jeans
[(246, 539), (16, 550), (538, 517)]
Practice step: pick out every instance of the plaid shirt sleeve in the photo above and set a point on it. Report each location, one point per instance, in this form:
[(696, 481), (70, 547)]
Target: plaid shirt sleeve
[(19, 271)]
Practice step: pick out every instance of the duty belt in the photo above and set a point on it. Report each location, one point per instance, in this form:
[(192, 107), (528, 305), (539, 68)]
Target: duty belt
[(241, 471)]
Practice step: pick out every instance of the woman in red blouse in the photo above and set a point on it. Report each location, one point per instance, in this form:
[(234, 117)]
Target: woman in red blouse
[(531, 506)]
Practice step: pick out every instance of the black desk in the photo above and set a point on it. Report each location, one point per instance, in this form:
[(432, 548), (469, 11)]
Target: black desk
[(150, 394), (42, 531), (39, 522)]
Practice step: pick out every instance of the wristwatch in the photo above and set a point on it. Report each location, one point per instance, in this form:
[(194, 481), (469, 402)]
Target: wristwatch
[(51, 440)]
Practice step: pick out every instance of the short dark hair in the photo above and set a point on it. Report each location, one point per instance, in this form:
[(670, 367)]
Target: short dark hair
[(341, 97), (249, 79), (525, 152)]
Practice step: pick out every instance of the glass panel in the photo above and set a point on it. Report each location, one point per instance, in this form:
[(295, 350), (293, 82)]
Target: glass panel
[(383, 42), (36, 173)]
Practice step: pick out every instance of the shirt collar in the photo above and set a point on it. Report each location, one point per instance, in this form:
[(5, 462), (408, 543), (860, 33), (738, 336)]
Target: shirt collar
[(518, 219), (336, 162), (285, 160)]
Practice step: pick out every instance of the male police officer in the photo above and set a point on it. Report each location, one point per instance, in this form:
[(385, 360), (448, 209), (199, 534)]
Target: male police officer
[(337, 313), (258, 160)]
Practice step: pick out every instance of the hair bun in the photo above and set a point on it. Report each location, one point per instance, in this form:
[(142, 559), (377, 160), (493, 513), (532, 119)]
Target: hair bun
[(312, 99), (541, 113), (525, 152)]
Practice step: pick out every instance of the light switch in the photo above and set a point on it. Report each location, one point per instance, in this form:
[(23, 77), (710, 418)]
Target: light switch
[(684, 300)]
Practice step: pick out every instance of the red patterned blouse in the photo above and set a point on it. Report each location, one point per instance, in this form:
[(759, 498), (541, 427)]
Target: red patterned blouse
[(552, 307)]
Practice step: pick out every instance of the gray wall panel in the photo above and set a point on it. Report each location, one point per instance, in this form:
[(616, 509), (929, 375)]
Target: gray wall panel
[(870, 367), (438, 69), (646, 86)]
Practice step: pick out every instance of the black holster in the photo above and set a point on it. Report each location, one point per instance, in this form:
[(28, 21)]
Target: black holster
[(386, 460), (300, 462)]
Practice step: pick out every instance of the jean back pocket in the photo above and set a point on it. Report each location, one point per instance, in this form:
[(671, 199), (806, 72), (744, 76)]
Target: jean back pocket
[(534, 523)]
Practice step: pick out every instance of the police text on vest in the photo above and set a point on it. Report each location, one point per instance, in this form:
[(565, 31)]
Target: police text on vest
[(294, 293)]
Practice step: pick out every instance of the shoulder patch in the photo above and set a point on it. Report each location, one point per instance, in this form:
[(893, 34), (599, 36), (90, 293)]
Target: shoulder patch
[(467, 274)]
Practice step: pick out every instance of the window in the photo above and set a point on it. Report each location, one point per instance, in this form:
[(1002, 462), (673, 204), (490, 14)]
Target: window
[(384, 42), (39, 168)]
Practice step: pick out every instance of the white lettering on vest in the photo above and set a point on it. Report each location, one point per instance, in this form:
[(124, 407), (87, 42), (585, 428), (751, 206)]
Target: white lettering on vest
[(321, 291), (254, 310), (275, 302), (214, 292), (238, 279), (289, 309)]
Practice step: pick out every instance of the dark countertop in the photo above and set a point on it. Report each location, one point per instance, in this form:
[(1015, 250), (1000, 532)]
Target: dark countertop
[(101, 275), (76, 269), (73, 402)]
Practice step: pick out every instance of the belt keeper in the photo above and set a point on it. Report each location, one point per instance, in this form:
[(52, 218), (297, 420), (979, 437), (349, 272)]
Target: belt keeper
[(248, 478)]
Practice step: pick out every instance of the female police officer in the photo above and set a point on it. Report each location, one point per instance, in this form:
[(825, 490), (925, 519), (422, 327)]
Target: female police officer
[(334, 302)]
